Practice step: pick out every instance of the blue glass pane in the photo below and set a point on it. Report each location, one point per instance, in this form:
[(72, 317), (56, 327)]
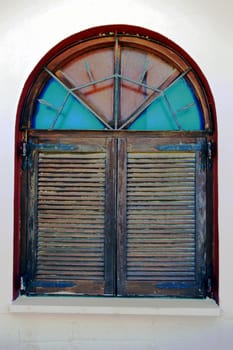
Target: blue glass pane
[(178, 109), (74, 114)]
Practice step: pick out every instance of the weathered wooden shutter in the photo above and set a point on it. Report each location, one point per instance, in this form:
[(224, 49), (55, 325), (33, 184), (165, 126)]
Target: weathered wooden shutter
[(126, 221), (162, 221), (68, 229)]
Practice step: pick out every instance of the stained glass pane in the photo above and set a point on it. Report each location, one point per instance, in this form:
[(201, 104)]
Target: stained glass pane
[(175, 109), (58, 109), (83, 95)]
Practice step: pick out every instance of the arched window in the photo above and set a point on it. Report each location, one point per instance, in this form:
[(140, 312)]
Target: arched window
[(117, 127)]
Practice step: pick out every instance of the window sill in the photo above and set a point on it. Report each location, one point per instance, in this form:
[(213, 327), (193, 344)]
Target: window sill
[(119, 306)]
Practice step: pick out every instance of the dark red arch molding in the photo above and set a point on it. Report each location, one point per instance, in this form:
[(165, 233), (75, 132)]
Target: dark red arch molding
[(62, 46)]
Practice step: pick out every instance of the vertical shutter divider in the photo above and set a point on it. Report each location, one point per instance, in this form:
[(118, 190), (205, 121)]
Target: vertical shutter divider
[(110, 218), (201, 224), (121, 216)]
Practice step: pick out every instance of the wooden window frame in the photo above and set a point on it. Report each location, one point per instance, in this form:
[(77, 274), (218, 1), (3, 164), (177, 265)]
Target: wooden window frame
[(25, 107)]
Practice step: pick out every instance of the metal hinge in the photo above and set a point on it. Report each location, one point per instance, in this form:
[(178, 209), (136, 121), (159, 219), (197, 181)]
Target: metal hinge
[(25, 149), (209, 285), (210, 150), (22, 285), (24, 153), (209, 288)]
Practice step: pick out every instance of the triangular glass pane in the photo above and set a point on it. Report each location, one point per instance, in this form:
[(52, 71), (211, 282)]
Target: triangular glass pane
[(59, 110), (177, 109), (141, 72), (92, 74)]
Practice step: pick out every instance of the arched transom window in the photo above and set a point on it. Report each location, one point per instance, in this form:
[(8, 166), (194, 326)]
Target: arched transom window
[(116, 165), (118, 82)]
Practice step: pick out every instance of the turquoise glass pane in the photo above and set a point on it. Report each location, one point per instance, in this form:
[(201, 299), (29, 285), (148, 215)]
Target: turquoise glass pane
[(74, 115), (178, 109)]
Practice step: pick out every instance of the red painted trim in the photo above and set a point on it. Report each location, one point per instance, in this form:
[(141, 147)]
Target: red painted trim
[(215, 248), (17, 171), (62, 46)]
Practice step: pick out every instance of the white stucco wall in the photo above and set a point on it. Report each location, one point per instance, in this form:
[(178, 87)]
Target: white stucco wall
[(28, 29)]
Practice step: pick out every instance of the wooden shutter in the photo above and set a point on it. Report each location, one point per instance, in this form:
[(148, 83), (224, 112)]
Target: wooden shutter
[(162, 224), (151, 202), (68, 228)]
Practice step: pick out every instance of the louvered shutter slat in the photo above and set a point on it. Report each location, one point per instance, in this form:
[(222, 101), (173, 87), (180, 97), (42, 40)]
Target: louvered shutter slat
[(148, 265), (60, 240)]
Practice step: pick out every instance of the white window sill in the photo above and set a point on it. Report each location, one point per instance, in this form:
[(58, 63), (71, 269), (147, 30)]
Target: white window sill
[(119, 306)]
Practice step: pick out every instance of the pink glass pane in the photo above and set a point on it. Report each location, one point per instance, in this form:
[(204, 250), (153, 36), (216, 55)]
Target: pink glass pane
[(144, 68), (94, 68)]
